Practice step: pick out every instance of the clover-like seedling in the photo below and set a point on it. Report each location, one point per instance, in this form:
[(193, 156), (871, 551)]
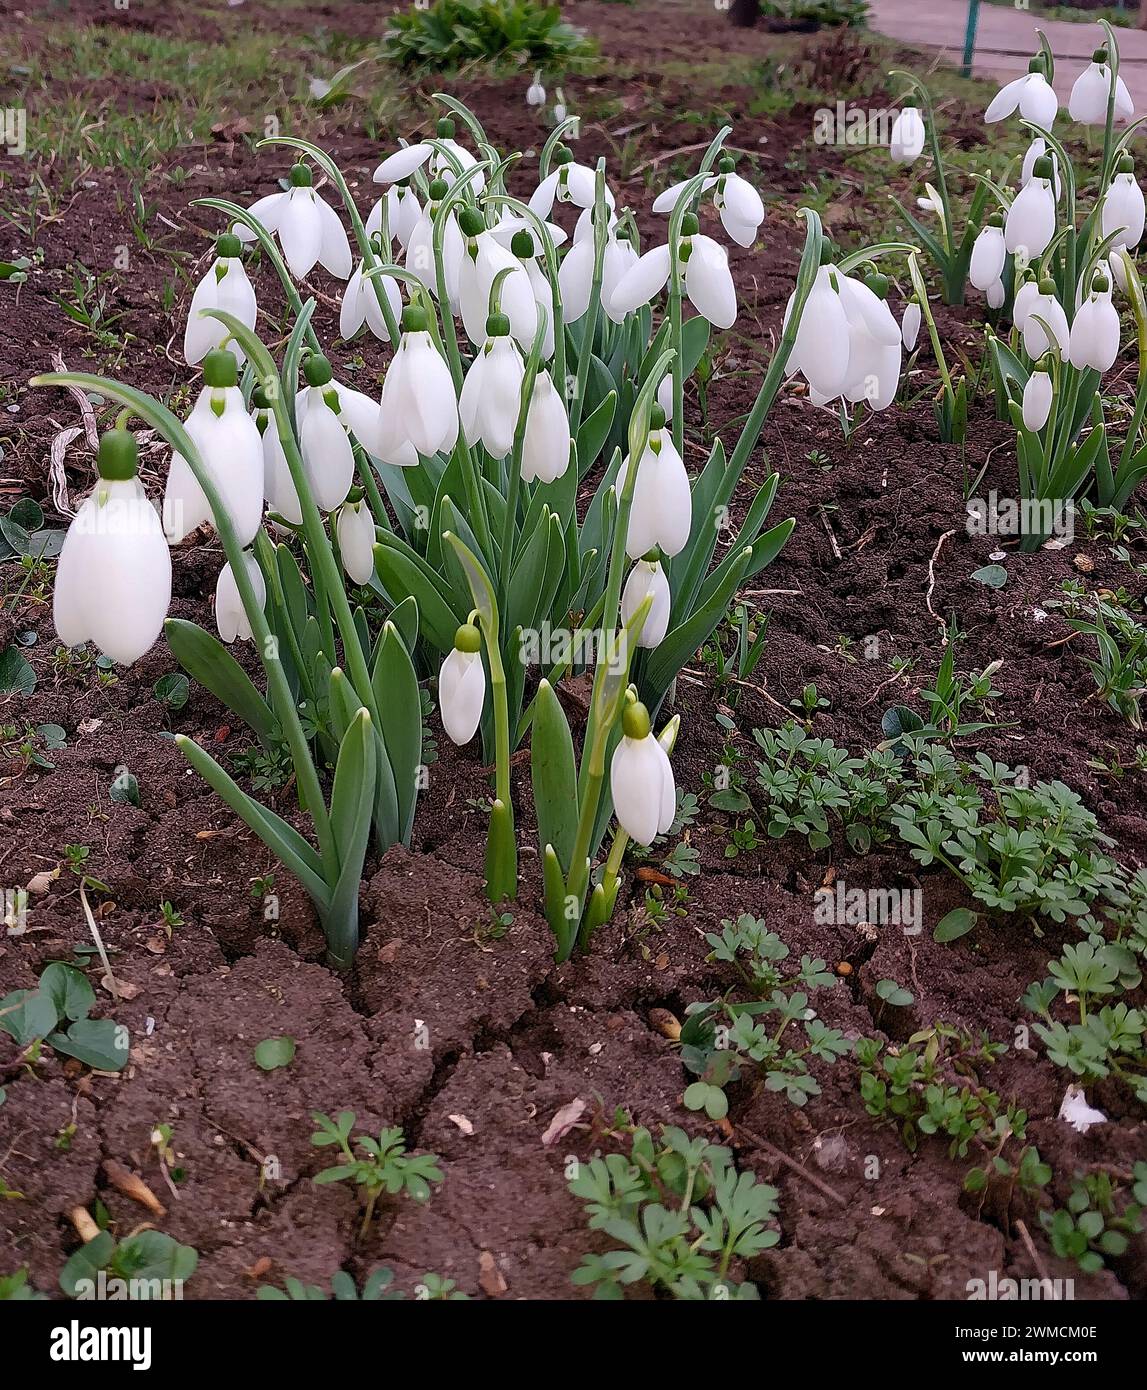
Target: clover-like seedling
[(385, 1167)]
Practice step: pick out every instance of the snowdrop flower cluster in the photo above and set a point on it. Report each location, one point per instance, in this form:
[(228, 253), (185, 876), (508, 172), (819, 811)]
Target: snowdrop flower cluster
[(848, 343)]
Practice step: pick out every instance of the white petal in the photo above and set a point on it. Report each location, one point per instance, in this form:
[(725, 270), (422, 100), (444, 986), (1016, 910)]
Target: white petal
[(1075, 1111), (647, 278), (267, 211), (230, 615), (1030, 222), (910, 325), (1038, 101), (402, 163), (461, 694), (334, 250), (355, 532), (327, 455), (645, 579), (1006, 100), (636, 780), (1037, 401), (709, 283), (988, 256), (575, 280), (301, 232), (546, 444)]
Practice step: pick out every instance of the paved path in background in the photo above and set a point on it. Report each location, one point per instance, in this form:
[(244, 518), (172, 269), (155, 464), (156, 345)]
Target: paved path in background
[(1006, 39)]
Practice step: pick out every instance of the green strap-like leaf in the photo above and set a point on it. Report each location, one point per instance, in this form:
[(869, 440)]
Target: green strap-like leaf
[(283, 840), (402, 574), (553, 774), (352, 800), (210, 663), (400, 712)]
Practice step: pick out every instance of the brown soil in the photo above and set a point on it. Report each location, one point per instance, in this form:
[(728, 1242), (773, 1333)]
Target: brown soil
[(469, 1038)]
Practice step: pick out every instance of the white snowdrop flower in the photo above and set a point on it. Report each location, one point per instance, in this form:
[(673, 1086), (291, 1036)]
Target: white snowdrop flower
[(354, 530), (1123, 207), (1030, 221), (1031, 93), (567, 182), (575, 275), (641, 779), (419, 259), (1037, 401), (535, 92), (662, 509), (403, 211), (988, 254), (874, 342), (399, 166), (419, 411), (308, 228), (527, 252), (483, 257), (360, 305), (1075, 1111), (225, 286), (230, 616), (328, 459), (1039, 307), (738, 204), (1095, 329), (996, 295), (907, 140), (1090, 92), (230, 450), (1038, 149), (405, 161), (462, 686), (645, 578), (559, 107), (492, 391), (546, 444), (708, 280), (910, 325), (113, 579), (278, 485), (820, 352)]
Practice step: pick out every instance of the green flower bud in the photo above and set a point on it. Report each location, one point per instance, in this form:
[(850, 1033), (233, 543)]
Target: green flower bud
[(522, 245), (656, 417), (227, 247), (878, 284), (468, 639), (1047, 286), (414, 319), (1125, 164), (562, 155), (498, 326), (471, 221), (301, 176), (445, 128), (438, 190), (317, 370), (635, 720), (1043, 167), (118, 457), (221, 368), (690, 225)]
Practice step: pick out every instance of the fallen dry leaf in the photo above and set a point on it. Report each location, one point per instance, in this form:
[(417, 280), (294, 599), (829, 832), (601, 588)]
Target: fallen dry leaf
[(490, 1276), (124, 988), (462, 1122), (564, 1121), (133, 1186), (665, 1023), (38, 883), (261, 1267)]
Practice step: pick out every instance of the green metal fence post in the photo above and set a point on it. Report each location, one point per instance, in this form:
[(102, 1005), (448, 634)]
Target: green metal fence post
[(970, 36)]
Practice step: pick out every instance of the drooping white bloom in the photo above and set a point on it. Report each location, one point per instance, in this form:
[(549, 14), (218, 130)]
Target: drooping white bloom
[(647, 577), (708, 280), (1095, 329), (1038, 307), (360, 305), (420, 259), (546, 444), (1031, 93), (988, 255), (1037, 401), (559, 107), (739, 205), (575, 275), (996, 295), (230, 616), (278, 485), (910, 325), (641, 779), (820, 352), (662, 509), (325, 412), (230, 450), (906, 142), (355, 532), (308, 228), (403, 211), (419, 411), (1123, 207), (1075, 1111), (874, 342), (535, 92), (492, 391), (405, 161), (113, 580), (225, 286), (1090, 93), (1030, 222), (567, 182), (462, 686), (483, 258)]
